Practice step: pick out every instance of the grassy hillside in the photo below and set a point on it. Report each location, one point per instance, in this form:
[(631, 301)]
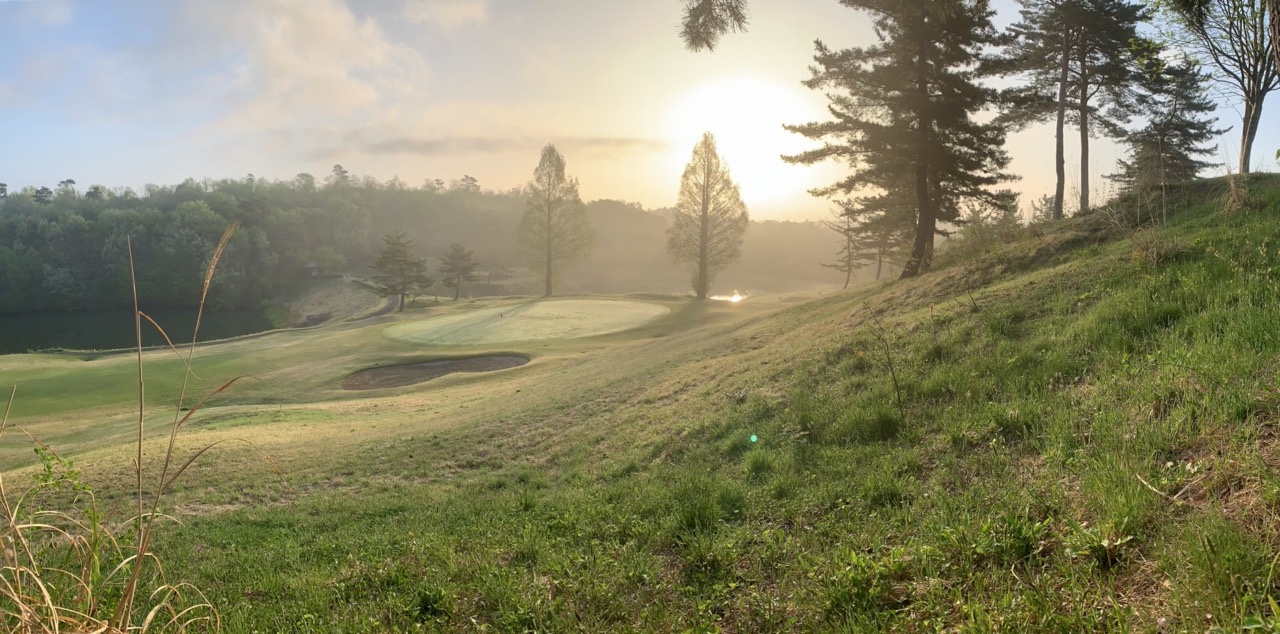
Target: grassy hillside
[(1073, 430)]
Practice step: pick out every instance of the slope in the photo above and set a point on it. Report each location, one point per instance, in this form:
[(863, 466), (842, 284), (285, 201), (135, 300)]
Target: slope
[(1072, 430)]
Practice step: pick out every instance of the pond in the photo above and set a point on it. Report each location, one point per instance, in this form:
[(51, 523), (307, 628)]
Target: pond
[(106, 330)]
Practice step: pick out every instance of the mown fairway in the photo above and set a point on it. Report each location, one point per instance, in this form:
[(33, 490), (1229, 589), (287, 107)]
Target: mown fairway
[(531, 321), (1071, 432)]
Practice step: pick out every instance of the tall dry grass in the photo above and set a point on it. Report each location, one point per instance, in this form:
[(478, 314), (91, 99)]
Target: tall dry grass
[(68, 570)]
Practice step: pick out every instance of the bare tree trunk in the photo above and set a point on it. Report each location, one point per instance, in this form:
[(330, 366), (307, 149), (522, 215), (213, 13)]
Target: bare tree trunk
[(1060, 187), (702, 253), (1084, 133), (547, 292), (879, 266), (457, 287), (926, 222), (1273, 10), (1249, 130)]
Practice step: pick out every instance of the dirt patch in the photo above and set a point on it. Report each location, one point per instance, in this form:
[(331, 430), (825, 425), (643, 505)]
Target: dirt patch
[(401, 375)]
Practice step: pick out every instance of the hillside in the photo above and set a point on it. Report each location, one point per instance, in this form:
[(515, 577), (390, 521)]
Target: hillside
[(1071, 429)]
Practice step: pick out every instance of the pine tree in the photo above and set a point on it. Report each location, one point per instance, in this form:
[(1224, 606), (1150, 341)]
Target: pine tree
[(1180, 127), (905, 113), (710, 217), (458, 266), (1081, 63), (397, 273), (872, 237)]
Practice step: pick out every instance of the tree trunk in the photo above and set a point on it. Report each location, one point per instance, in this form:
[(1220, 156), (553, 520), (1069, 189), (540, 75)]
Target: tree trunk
[(547, 293), (457, 287), (702, 256), (401, 307), (704, 229), (1060, 187), (926, 223), (848, 273), (1249, 130), (879, 266), (1084, 134), (1273, 14)]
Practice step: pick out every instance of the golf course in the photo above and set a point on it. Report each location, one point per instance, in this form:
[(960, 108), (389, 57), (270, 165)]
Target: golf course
[(1071, 430)]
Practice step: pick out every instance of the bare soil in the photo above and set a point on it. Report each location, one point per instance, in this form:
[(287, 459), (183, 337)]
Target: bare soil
[(401, 375)]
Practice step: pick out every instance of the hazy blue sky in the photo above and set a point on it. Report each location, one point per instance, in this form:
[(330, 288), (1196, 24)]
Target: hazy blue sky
[(125, 92)]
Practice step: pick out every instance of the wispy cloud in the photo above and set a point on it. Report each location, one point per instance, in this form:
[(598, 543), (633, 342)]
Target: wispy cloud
[(447, 14), (461, 146), (45, 13)]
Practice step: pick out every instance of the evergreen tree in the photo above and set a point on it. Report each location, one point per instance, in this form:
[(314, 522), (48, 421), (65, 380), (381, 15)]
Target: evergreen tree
[(554, 228), (1180, 127), (705, 21), (905, 111), (458, 266), (397, 272), (1081, 62), (872, 237), (710, 217)]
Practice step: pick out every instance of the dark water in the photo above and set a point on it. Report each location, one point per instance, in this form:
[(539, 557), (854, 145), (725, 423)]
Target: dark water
[(114, 329)]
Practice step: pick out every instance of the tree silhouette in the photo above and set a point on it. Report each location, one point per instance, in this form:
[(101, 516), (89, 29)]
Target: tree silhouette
[(710, 217), (397, 272), (458, 266), (554, 228), (906, 115)]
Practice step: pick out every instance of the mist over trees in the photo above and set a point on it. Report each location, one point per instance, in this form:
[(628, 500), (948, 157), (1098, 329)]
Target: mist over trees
[(397, 272), (710, 217), (458, 266)]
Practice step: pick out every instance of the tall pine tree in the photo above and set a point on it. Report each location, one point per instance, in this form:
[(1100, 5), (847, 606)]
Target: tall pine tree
[(1081, 62), (904, 111)]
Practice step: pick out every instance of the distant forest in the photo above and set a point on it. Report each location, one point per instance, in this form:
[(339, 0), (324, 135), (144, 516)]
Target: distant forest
[(65, 248)]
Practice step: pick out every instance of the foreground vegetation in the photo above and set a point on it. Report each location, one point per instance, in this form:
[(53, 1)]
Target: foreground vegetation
[(1071, 430)]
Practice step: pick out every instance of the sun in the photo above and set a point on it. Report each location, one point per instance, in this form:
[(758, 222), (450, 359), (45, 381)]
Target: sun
[(746, 115)]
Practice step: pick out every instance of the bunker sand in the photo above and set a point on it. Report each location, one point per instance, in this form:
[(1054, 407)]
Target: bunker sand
[(401, 375)]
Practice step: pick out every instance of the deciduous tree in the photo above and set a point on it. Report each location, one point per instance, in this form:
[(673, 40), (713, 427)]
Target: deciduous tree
[(710, 217), (1233, 36), (554, 229)]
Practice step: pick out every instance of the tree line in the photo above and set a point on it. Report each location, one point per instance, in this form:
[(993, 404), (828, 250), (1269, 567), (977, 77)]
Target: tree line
[(920, 123), (64, 248), (708, 226)]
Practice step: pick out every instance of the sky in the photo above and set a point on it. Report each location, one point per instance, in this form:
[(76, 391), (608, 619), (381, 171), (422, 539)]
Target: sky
[(129, 92)]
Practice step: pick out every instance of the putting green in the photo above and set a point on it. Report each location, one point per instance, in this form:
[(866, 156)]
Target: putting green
[(548, 319)]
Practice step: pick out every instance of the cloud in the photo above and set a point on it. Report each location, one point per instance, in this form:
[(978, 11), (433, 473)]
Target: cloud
[(344, 144), (447, 14), (300, 63), (46, 13)]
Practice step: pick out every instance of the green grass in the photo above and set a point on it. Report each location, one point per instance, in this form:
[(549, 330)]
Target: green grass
[(1086, 443), (531, 321)]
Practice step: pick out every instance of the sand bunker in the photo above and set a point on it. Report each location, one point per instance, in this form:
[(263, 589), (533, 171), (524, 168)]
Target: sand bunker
[(401, 375), (555, 319)]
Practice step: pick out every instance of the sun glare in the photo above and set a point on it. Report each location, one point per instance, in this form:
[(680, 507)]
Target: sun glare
[(746, 117)]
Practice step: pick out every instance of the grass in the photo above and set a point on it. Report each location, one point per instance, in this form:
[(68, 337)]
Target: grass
[(1084, 442), (530, 321)]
